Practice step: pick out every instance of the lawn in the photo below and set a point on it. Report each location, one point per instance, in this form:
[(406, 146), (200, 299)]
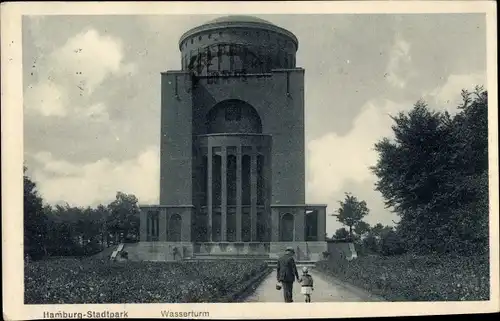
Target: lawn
[(70, 281), (416, 278)]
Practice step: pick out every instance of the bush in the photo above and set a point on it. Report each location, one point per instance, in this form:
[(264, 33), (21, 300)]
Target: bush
[(391, 244), (416, 278), (72, 281)]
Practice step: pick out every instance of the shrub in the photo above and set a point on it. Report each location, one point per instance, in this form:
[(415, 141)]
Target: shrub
[(391, 244), (416, 278), (71, 281)]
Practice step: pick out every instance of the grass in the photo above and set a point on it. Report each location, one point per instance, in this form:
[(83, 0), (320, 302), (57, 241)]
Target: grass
[(89, 280), (416, 278)]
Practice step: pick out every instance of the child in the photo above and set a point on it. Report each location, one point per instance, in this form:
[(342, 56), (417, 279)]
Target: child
[(307, 284)]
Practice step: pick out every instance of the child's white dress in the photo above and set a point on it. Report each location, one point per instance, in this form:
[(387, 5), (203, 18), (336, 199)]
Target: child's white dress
[(306, 290)]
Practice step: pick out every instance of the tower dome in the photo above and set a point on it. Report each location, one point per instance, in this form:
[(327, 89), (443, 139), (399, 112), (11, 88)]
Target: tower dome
[(242, 44), (238, 18)]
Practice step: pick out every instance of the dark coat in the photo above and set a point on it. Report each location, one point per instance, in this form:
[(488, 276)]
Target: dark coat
[(287, 270)]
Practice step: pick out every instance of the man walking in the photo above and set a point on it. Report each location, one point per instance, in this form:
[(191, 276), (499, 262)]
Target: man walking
[(287, 273)]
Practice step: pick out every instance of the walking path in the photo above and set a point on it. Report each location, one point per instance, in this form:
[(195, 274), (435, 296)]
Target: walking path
[(326, 289)]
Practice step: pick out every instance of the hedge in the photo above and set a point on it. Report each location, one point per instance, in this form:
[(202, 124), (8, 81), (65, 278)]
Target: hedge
[(71, 281), (416, 278)]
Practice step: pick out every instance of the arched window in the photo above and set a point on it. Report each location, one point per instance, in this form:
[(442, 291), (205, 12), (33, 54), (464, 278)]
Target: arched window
[(174, 228), (233, 116), (153, 224), (286, 227)]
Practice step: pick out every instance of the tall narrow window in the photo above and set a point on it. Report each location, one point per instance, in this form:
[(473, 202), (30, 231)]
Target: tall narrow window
[(231, 225), (174, 228), (311, 226), (216, 179), (246, 225), (245, 180), (204, 174), (200, 227), (286, 227), (231, 180), (260, 180), (216, 226), (261, 227)]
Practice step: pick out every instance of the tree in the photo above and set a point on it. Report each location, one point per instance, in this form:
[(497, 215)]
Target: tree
[(341, 234), (351, 212), (361, 229), (123, 219), (35, 220), (433, 174)]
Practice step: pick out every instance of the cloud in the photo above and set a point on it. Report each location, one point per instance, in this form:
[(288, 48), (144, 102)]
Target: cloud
[(447, 96), (70, 74), (97, 182), (48, 98), (97, 112), (399, 68), (334, 159), (340, 163)]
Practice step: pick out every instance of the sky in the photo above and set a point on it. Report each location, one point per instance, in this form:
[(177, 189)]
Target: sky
[(92, 96)]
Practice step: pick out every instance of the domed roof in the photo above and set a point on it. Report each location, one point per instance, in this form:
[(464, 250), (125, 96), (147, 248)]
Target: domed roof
[(237, 18), (235, 21)]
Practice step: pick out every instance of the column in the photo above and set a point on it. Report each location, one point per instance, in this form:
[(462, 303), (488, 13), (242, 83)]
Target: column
[(253, 195), (238, 193), (162, 220), (223, 224), (209, 192), (143, 225)]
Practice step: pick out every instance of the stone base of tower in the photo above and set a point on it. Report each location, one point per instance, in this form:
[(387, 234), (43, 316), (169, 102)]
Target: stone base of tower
[(159, 251), (176, 251), (166, 234), (304, 251)]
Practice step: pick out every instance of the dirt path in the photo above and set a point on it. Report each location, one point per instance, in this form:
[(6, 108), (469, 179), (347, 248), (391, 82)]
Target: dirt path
[(326, 289)]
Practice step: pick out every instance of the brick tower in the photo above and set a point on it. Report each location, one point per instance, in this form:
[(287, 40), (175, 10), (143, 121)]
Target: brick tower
[(232, 160)]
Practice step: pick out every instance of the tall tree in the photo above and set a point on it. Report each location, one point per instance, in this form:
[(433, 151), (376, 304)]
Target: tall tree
[(351, 212), (433, 174), (123, 220), (35, 220)]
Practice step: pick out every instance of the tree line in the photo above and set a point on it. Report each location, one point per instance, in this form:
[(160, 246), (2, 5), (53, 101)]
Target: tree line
[(64, 230), (434, 175)]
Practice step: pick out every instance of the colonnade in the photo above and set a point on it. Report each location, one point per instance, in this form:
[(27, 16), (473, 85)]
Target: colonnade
[(236, 185)]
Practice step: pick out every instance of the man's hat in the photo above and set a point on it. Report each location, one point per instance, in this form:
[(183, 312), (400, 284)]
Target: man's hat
[(290, 249)]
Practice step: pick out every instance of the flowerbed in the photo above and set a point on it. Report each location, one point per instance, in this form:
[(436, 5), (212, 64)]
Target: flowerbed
[(414, 278), (70, 281)]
